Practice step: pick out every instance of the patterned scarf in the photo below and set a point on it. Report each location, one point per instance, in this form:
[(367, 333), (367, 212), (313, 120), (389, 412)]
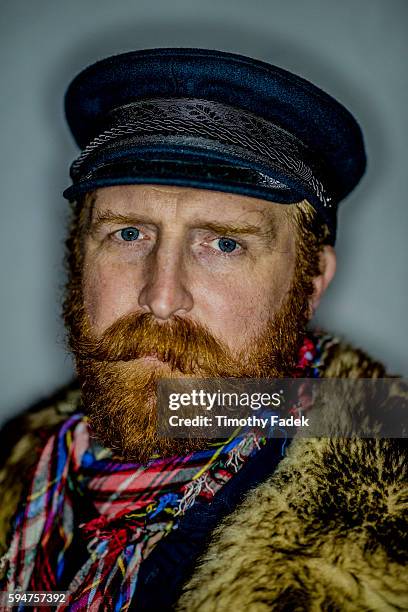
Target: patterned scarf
[(131, 507)]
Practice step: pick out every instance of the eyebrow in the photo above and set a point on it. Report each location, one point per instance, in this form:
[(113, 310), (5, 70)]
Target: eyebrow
[(108, 216), (267, 231), (248, 229)]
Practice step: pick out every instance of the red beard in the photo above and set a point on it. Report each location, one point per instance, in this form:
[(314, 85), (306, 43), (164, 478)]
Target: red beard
[(118, 371)]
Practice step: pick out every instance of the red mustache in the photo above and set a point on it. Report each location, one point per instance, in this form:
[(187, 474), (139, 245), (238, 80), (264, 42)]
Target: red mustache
[(182, 343)]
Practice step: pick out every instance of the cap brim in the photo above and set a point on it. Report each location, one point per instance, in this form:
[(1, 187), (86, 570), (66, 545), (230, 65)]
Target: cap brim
[(186, 167)]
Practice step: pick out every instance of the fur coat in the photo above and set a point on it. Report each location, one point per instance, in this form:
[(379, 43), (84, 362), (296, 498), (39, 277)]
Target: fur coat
[(326, 531)]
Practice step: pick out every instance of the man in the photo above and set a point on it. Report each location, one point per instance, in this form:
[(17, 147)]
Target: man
[(201, 242)]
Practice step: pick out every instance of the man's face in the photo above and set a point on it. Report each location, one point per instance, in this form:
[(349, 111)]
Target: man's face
[(222, 260), (175, 282)]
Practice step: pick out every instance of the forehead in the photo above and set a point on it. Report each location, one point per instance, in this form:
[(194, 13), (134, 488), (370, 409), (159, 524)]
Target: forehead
[(184, 204)]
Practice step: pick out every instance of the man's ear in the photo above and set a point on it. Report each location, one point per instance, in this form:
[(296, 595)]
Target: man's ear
[(327, 271)]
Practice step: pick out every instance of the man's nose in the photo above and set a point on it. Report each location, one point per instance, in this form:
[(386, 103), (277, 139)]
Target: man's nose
[(165, 293)]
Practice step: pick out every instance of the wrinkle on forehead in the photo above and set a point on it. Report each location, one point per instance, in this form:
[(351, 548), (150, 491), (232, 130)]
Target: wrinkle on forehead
[(187, 203), (167, 189)]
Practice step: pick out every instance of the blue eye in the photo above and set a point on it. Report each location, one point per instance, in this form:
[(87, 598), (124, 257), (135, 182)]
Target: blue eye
[(227, 245), (130, 233)]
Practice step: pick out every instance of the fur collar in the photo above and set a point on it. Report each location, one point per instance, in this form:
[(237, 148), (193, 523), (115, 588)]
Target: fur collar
[(328, 531)]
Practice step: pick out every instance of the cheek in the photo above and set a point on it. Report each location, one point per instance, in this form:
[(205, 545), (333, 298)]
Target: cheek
[(109, 292), (238, 308)]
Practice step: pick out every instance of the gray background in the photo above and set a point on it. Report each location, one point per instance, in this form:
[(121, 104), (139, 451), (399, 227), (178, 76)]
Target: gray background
[(356, 50)]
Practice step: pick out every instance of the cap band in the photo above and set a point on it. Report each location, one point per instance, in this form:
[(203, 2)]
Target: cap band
[(274, 156)]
